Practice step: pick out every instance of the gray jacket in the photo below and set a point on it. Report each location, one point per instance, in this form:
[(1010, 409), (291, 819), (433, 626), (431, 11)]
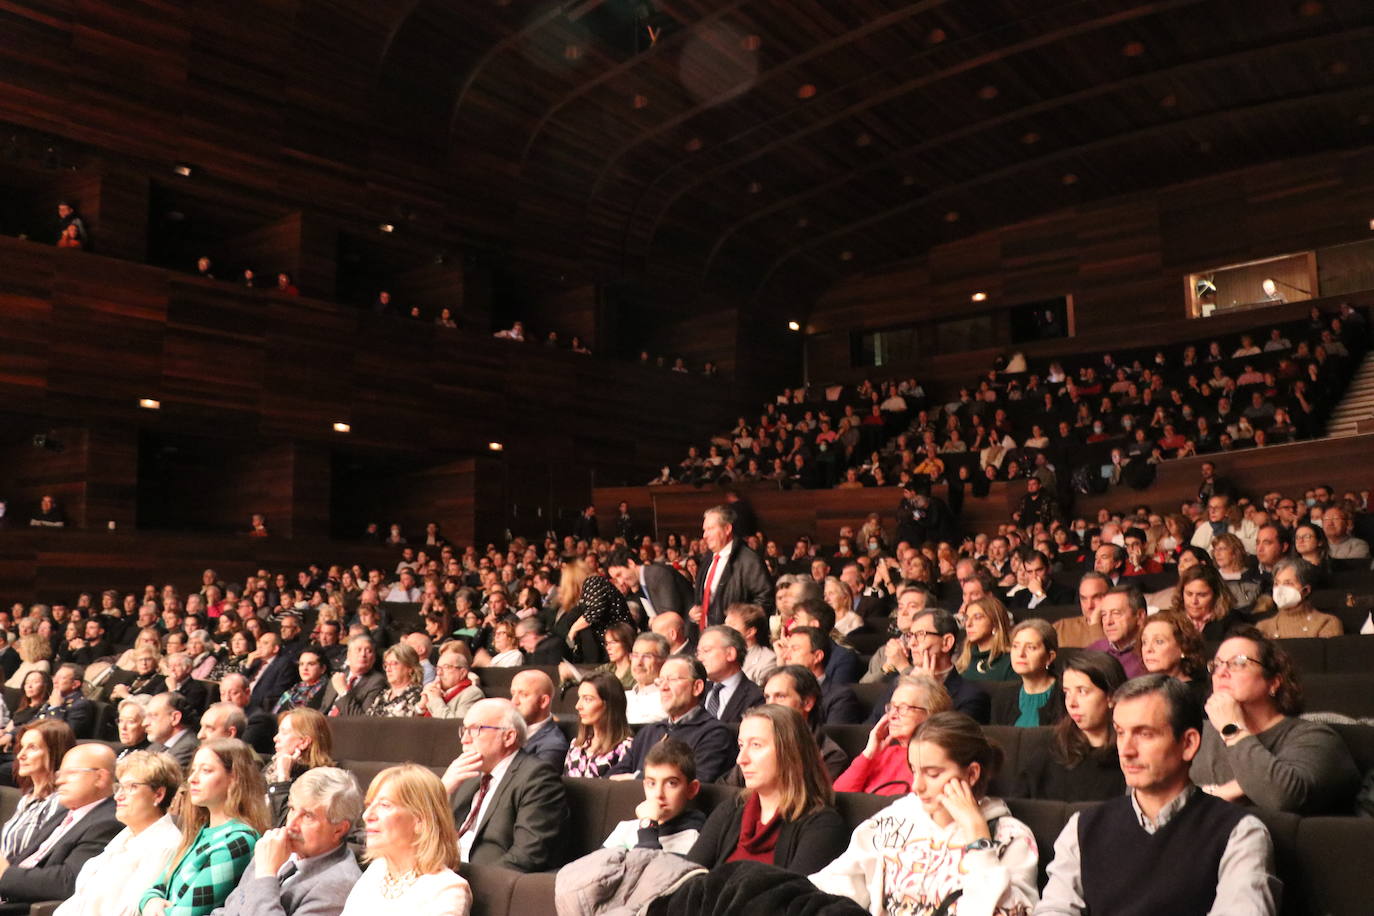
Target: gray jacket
[(619, 882), (319, 888)]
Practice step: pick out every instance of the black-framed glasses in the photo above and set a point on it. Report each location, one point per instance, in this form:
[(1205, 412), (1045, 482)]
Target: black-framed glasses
[(1234, 664), (472, 731)]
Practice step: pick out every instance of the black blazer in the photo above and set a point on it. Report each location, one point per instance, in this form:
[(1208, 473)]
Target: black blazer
[(744, 579), (839, 706), (805, 846), (668, 589), (357, 700), (746, 696), (54, 877), (1006, 704), (281, 673), (523, 825)]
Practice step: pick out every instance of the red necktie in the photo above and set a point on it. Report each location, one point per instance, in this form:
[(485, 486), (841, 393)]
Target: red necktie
[(471, 820), (706, 595)]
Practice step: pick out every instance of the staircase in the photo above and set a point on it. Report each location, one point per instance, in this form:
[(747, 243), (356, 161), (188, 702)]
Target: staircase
[(1357, 404)]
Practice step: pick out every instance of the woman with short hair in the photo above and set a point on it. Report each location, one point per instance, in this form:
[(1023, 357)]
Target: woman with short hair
[(505, 651), (884, 768), (603, 734), (785, 814), (402, 697), (948, 847), (1256, 748), (412, 848), (223, 811), (1295, 617), (111, 883)]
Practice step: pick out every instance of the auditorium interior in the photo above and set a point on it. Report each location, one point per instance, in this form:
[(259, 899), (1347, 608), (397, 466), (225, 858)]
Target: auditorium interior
[(296, 295)]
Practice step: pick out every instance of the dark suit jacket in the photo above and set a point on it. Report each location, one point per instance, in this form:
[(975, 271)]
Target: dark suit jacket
[(1055, 594), (321, 885), (842, 666), (550, 745), (549, 651), (183, 750), (668, 589), (195, 693), (76, 711), (54, 877), (968, 699), (357, 699), (746, 696), (262, 728), (839, 706), (281, 673), (744, 579), (523, 825)]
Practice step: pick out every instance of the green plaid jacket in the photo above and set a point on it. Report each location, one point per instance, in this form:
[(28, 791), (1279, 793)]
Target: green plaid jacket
[(208, 872)]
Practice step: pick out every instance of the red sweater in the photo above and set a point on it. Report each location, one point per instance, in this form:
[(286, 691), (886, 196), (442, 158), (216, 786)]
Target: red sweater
[(889, 773)]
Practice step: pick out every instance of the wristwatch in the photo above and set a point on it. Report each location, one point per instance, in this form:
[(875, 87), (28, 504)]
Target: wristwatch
[(978, 845), (645, 823), (1230, 729)]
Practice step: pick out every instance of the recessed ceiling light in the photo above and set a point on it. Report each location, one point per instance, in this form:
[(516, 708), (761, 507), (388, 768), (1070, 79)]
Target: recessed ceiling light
[(572, 52), (936, 36), (952, 216), (863, 139), (1133, 48), (988, 93), (1069, 178), (640, 101), (150, 403), (806, 91), (1310, 8), (495, 446), (692, 145), (386, 227), (793, 326), (846, 255), (182, 169), (979, 297), (342, 428), (750, 43)]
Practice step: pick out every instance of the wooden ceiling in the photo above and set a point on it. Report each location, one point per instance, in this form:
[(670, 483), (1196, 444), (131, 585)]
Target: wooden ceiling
[(689, 147)]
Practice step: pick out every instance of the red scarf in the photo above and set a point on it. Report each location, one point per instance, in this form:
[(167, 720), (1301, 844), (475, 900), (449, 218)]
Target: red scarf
[(756, 841)]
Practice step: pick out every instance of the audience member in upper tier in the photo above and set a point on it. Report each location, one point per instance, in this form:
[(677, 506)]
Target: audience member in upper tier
[(1080, 763), (412, 850), (1255, 747), (946, 840), (509, 806), (1106, 853), (785, 815), (884, 766)]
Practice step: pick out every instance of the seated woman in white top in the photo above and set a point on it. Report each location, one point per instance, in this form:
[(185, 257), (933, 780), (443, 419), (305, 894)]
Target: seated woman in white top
[(412, 845), (112, 883)]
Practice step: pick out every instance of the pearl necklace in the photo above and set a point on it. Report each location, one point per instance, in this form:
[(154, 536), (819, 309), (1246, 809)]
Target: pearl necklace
[(395, 886)]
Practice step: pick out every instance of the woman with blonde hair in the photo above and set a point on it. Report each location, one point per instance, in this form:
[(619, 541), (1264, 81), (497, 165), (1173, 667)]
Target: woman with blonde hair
[(112, 883), (785, 816), (1228, 553), (412, 848), (223, 811), (505, 651), (34, 654), (841, 599), (303, 742), (404, 679), (148, 638), (986, 653)]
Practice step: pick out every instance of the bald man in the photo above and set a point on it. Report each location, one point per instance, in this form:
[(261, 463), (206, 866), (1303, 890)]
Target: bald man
[(45, 867), (532, 694), (673, 628)]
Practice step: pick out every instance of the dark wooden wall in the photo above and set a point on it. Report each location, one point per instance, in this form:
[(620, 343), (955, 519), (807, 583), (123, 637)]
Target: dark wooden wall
[(1122, 261)]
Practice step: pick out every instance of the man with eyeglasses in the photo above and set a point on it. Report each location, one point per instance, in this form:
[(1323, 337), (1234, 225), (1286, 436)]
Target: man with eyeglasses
[(509, 806), (452, 693), (643, 701), (892, 658), (932, 641), (682, 686), (728, 692), (1340, 543), (47, 866)]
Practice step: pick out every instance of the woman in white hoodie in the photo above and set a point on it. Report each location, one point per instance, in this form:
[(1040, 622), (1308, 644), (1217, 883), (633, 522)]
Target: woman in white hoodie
[(946, 847)]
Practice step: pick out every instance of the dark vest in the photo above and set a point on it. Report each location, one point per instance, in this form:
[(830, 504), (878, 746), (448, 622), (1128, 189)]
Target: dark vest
[(1122, 864)]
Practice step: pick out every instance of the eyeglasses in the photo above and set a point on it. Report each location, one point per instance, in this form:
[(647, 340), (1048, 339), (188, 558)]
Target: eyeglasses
[(916, 635), (1234, 663), (472, 731), (664, 681), (903, 709), (128, 786)]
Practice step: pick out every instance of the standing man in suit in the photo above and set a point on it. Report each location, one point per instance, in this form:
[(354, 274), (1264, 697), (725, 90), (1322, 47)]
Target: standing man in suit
[(46, 869), (531, 692), (655, 587), (732, 573), (171, 722), (305, 867), (509, 807), (276, 673), (350, 691), (728, 692)]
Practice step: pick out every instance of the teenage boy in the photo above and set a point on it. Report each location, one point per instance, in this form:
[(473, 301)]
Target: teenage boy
[(664, 820)]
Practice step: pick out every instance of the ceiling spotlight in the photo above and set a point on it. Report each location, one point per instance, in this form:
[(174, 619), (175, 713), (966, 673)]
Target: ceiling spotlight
[(988, 93), (495, 446), (846, 255), (806, 91), (1133, 48), (936, 36), (793, 326), (182, 169), (750, 43), (342, 428), (386, 227), (640, 101), (952, 216), (150, 403), (1069, 179), (979, 297)]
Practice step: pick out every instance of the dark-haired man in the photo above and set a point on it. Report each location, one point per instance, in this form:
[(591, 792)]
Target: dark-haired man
[(1109, 859), (682, 685), (931, 642)]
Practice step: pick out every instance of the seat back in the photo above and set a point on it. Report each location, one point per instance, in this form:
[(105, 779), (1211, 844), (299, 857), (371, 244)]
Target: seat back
[(1348, 654), (1329, 862), (1349, 694), (496, 681), (1046, 820), (431, 742), (1008, 738)]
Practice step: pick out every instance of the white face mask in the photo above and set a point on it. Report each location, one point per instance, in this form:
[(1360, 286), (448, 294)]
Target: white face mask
[(1286, 596)]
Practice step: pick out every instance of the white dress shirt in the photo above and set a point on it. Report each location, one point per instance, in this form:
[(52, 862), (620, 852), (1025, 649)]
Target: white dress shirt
[(111, 883), (643, 705), (724, 556), (498, 773)]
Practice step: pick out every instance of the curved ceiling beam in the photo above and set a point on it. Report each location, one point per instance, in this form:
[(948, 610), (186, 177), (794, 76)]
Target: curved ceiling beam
[(620, 68), (505, 44), (1132, 136), (912, 85), (838, 41), (1101, 89)]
